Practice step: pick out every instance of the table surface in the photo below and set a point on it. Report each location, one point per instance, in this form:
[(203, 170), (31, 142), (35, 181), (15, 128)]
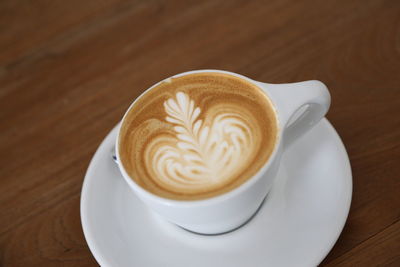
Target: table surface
[(69, 69)]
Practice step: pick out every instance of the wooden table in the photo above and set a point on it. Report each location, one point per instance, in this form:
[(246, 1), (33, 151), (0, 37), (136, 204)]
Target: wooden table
[(69, 69)]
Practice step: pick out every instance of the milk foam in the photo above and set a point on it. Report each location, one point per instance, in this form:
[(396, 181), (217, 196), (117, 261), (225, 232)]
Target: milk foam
[(199, 154), (197, 136)]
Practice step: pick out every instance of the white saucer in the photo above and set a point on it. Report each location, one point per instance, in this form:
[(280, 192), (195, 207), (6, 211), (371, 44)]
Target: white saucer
[(298, 224)]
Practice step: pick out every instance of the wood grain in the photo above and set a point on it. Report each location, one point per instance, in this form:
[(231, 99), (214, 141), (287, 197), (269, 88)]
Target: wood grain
[(69, 69)]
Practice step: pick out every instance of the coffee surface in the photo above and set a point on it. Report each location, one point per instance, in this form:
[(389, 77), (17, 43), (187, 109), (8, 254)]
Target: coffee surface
[(197, 136)]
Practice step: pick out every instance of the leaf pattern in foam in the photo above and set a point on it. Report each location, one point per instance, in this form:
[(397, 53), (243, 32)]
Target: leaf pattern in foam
[(202, 154)]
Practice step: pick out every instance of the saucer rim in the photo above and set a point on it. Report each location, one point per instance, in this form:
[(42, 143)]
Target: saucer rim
[(349, 185)]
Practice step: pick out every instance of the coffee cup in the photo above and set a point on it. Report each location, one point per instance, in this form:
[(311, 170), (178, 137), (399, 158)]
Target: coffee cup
[(202, 148)]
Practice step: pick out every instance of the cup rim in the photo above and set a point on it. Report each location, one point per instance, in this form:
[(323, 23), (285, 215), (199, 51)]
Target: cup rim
[(214, 199)]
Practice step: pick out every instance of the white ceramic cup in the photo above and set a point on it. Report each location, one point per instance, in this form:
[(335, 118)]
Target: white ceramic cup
[(232, 209)]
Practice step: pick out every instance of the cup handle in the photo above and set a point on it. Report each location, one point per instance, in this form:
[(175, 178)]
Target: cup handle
[(300, 106)]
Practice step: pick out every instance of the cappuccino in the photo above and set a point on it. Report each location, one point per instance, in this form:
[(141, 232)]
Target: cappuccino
[(197, 136)]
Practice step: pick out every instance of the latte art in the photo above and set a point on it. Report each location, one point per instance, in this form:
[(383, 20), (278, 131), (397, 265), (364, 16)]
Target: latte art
[(199, 154), (197, 136)]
